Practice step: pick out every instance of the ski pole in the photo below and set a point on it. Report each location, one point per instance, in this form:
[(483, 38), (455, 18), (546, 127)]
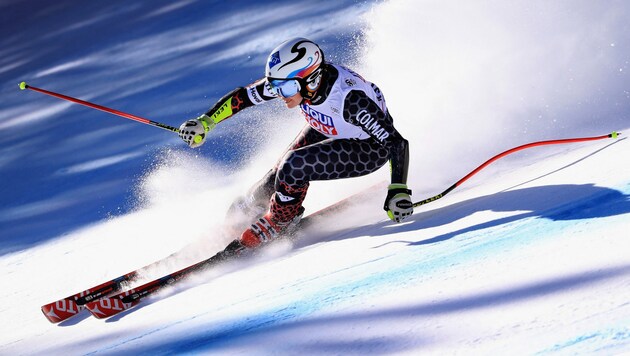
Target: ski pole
[(613, 134), (23, 86)]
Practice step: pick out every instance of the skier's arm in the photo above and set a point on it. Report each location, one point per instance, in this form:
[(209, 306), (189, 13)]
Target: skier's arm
[(194, 131), (239, 99), (360, 110)]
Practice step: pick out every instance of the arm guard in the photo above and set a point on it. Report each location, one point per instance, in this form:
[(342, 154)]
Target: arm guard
[(228, 105), (239, 99)]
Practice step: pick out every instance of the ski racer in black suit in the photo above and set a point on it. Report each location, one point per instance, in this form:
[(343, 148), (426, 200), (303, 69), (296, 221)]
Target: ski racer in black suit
[(349, 133)]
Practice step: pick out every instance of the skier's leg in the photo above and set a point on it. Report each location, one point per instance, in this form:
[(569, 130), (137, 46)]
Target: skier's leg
[(330, 159), (256, 201), (325, 160)]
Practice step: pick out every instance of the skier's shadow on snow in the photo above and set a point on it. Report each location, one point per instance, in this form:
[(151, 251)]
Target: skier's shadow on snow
[(553, 202)]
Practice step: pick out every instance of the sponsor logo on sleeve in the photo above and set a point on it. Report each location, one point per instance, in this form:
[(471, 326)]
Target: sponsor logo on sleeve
[(372, 126), (253, 95)]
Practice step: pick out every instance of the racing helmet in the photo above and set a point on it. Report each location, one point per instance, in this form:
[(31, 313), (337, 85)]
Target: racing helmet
[(295, 65)]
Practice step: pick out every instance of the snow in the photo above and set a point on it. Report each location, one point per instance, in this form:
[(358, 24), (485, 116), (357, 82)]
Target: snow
[(530, 256)]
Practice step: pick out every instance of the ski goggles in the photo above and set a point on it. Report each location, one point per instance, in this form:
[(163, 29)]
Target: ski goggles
[(286, 88)]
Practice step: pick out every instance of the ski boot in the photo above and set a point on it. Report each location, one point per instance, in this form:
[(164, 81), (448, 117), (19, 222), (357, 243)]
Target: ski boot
[(267, 229), (285, 211)]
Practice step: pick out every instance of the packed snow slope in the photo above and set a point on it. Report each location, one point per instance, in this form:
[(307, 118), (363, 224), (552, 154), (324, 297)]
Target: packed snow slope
[(530, 256)]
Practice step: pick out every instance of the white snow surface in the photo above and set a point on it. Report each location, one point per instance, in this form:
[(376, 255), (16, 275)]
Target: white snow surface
[(530, 256), (530, 259)]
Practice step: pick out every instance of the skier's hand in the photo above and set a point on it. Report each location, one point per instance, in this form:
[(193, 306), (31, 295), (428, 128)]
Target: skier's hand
[(398, 203), (194, 131)]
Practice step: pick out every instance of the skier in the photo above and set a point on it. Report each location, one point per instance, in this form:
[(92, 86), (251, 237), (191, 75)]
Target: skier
[(350, 133)]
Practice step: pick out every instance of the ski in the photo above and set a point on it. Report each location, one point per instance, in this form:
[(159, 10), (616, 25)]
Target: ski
[(64, 309), (109, 306), (68, 307)]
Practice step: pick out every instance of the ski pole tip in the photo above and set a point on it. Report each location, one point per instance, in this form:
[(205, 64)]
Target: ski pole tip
[(23, 86), (615, 134)]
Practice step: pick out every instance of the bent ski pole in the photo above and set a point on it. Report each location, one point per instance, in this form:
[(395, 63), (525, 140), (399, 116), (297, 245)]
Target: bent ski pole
[(613, 134), (23, 86)]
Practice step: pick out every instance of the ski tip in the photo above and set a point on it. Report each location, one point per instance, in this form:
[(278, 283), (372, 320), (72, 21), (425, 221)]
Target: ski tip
[(23, 85), (61, 310)]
